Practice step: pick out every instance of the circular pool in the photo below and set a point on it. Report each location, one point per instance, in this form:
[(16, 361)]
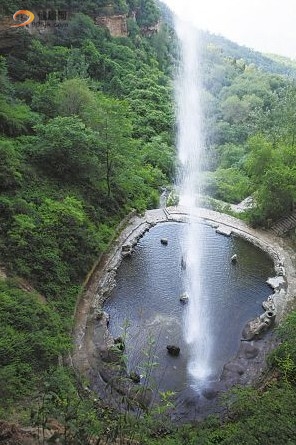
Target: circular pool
[(145, 305)]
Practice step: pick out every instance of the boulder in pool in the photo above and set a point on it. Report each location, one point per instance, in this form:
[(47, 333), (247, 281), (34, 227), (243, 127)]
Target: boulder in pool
[(173, 350), (255, 328), (184, 298)]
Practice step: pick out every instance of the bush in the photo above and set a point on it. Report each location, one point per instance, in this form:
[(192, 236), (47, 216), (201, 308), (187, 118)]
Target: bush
[(31, 340)]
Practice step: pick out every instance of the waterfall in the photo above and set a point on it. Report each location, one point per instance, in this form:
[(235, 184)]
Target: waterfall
[(190, 149)]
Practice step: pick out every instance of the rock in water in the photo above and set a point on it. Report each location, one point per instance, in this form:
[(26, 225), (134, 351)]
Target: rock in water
[(184, 298), (234, 259), (173, 350), (259, 325), (164, 241)]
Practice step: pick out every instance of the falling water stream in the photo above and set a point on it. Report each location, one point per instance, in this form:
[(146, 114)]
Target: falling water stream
[(190, 149), (196, 260)]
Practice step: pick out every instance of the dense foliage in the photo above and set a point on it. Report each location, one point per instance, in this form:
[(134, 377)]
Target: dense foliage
[(31, 339), (86, 125), (86, 136), (91, 6), (249, 127)]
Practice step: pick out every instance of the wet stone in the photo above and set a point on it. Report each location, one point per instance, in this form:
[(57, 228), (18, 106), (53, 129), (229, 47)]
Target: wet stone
[(250, 351), (235, 368), (210, 393), (173, 350)]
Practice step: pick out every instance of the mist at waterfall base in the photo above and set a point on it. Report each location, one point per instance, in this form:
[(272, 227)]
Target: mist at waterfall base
[(197, 320)]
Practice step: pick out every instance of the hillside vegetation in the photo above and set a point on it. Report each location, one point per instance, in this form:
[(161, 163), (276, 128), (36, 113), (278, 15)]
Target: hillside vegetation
[(249, 104), (86, 135), (250, 128)]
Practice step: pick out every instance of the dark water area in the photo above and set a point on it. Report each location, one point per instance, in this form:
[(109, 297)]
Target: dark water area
[(145, 305)]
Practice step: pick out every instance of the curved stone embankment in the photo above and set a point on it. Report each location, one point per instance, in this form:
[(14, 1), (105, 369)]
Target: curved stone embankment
[(95, 355), (283, 256)]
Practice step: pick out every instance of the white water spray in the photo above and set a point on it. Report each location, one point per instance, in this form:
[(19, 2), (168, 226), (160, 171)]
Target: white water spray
[(190, 148)]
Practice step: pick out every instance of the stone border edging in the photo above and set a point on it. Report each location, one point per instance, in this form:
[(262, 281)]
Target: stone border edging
[(91, 337), (281, 254)]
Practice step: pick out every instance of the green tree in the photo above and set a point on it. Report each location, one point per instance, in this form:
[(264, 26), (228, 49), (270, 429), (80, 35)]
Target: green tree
[(31, 341), (230, 185), (74, 97), (45, 96), (276, 193), (15, 118), (43, 60), (159, 154), (259, 159), (231, 155), (10, 167), (109, 118), (148, 13), (80, 28), (66, 149), (5, 85), (76, 65)]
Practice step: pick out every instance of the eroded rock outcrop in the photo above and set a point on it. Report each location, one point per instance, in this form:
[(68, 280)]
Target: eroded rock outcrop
[(259, 325), (127, 250), (116, 24)]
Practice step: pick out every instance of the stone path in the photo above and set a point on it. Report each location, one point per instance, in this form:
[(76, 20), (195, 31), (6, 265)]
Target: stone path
[(284, 225)]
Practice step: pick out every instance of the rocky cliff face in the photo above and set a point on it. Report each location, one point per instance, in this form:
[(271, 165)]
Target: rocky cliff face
[(150, 30), (47, 20), (117, 24)]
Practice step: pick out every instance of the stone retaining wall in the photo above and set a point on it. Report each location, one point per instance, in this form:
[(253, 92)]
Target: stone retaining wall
[(91, 336)]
